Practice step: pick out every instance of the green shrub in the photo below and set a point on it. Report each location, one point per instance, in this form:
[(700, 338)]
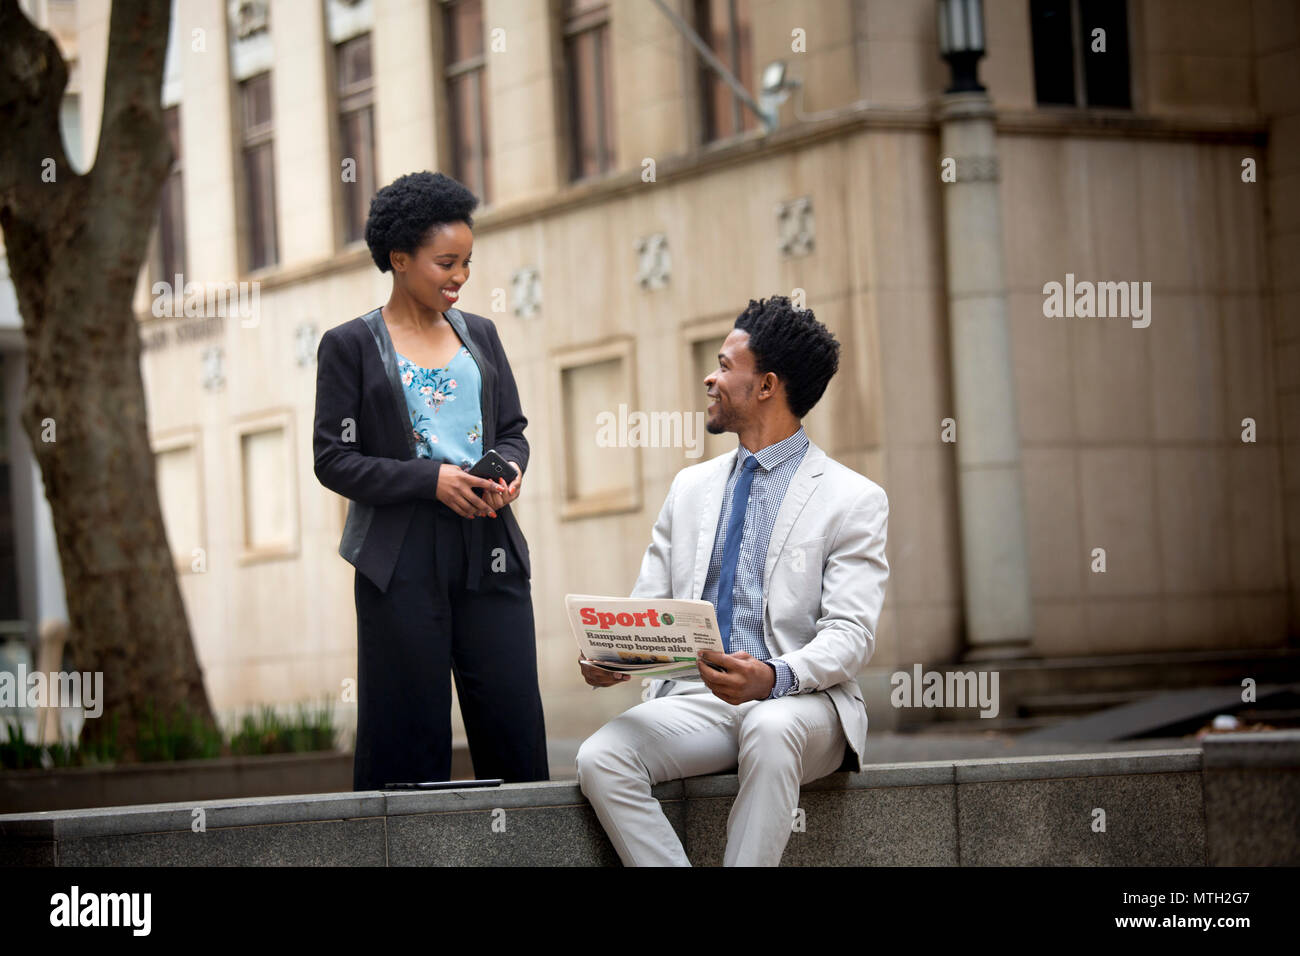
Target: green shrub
[(178, 735), (181, 735), (266, 732)]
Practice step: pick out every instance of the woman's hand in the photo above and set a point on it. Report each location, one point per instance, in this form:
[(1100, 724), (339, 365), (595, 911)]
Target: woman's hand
[(503, 494), (512, 490), (456, 491), (498, 494), (496, 498)]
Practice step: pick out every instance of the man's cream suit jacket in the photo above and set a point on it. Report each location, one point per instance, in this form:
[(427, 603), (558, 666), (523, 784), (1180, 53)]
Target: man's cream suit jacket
[(824, 581)]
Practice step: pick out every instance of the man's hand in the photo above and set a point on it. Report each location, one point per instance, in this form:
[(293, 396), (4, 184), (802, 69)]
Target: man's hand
[(599, 677), (743, 677)]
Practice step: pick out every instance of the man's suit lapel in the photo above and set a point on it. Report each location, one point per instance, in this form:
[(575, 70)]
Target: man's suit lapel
[(802, 485), (710, 511)]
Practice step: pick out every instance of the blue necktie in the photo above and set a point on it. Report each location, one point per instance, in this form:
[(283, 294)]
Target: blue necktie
[(731, 549)]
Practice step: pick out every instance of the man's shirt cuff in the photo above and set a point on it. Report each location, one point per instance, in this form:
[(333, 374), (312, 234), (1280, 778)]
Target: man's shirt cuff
[(786, 682)]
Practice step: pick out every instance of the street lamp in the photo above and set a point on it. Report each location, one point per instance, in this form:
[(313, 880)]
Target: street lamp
[(961, 42), (773, 91)]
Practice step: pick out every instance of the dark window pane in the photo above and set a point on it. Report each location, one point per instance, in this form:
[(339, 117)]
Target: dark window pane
[(172, 123), (463, 26), (466, 99), (742, 61), (468, 125), (1053, 51), (484, 174), (460, 105), (713, 104), (256, 102), (582, 103), (1106, 75), (358, 137), (259, 175), (356, 131), (605, 89), (352, 63), (591, 94), (171, 205), (725, 26), (171, 227)]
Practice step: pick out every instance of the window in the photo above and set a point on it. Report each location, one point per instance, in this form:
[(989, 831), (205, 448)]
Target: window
[(176, 464), (725, 26), (1081, 55), (355, 81), (591, 115), (595, 396), (259, 173), (170, 259), (268, 509), (466, 79)]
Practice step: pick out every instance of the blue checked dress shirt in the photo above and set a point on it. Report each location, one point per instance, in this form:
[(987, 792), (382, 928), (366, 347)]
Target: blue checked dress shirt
[(776, 467)]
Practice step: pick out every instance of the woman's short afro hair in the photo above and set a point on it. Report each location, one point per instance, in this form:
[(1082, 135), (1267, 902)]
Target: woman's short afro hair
[(793, 344), (405, 213)]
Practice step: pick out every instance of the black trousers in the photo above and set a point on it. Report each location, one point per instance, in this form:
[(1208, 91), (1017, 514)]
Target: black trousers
[(431, 626)]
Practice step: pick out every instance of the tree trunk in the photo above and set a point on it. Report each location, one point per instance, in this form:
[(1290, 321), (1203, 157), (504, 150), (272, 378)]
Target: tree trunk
[(75, 249)]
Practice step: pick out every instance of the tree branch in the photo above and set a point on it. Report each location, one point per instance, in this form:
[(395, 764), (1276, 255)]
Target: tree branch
[(133, 154), (33, 77)]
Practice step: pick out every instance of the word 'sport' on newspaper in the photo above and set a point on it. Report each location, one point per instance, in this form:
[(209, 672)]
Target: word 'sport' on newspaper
[(658, 636)]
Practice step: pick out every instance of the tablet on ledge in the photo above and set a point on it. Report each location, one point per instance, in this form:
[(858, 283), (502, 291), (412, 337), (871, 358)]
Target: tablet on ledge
[(443, 784)]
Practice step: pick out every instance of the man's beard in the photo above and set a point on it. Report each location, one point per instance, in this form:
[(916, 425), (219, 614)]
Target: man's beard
[(722, 424)]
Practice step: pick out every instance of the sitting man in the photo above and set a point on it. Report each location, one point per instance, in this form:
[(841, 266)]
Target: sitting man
[(789, 546)]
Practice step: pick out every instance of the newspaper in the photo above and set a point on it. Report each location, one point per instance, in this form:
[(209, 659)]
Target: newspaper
[(658, 636)]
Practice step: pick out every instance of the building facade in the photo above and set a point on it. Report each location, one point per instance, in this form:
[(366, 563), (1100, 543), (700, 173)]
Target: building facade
[(633, 205)]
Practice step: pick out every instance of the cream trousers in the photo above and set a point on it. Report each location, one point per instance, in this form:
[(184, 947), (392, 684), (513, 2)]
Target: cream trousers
[(774, 745)]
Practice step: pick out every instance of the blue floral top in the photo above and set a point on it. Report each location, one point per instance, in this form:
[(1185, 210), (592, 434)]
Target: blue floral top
[(446, 418)]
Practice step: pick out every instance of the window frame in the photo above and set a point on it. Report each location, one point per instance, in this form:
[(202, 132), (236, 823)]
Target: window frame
[(593, 21), (743, 121), (176, 439), (626, 499), (351, 102), (269, 420), (1079, 51), (453, 72)]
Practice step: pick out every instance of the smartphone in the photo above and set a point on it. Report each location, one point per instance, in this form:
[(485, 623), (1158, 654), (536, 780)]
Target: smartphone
[(492, 466)]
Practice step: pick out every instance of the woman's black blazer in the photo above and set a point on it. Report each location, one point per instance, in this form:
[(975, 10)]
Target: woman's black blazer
[(364, 446)]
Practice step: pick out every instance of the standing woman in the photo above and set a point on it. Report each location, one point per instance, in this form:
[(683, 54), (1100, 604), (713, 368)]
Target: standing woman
[(408, 397)]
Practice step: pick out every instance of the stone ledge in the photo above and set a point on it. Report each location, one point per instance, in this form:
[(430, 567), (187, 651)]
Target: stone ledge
[(1054, 767), (517, 796), (1270, 748), (1233, 801), (170, 817)]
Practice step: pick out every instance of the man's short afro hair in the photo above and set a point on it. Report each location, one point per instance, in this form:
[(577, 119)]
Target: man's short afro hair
[(406, 212), (793, 344)]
